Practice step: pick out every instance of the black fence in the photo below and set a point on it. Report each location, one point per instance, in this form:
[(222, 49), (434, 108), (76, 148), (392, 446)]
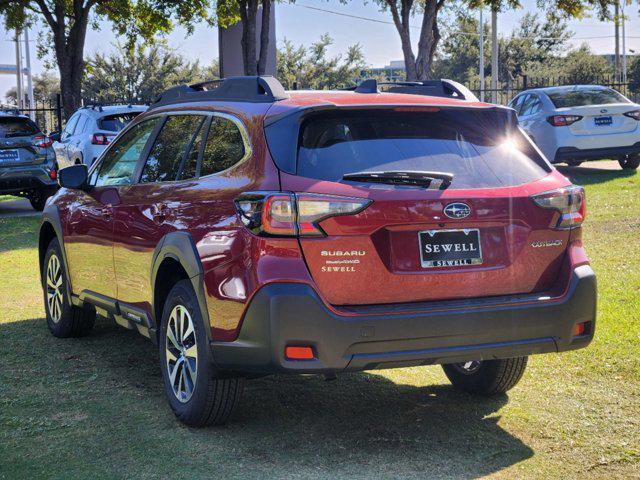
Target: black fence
[(507, 90), (47, 114)]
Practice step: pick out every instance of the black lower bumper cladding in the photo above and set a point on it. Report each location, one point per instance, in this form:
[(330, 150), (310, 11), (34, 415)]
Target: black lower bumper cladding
[(285, 314)]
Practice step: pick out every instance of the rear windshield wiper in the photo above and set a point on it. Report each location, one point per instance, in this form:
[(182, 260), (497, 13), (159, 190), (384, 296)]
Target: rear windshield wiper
[(399, 177)]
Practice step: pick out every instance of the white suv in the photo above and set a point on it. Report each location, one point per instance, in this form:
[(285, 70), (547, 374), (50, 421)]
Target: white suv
[(90, 130), (581, 122)]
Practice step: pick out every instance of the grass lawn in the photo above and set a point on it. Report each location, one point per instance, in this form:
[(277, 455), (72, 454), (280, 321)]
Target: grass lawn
[(6, 198), (94, 407)]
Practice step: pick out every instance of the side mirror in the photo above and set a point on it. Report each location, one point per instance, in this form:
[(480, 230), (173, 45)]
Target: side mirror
[(74, 177), (55, 136)]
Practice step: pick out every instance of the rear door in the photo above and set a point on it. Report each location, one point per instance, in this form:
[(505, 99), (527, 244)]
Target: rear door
[(473, 239), (60, 146)]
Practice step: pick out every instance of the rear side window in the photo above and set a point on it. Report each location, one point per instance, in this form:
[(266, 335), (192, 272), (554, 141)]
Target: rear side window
[(530, 106), (166, 159), (115, 123), (481, 148), (582, 97), (224, 147), (17, 127)]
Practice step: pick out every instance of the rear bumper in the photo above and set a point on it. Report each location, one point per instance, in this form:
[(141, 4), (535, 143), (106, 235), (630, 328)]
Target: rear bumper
[(573, 153), (283, 314), (26, 178)]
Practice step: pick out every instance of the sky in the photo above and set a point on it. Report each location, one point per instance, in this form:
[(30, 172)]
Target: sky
[(302, 25)]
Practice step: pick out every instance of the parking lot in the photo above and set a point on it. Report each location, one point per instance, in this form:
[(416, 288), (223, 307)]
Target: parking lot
[(94, 406)]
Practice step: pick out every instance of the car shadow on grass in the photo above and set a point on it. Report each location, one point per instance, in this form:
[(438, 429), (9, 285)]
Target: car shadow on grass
[(360, 426), (591, 175)]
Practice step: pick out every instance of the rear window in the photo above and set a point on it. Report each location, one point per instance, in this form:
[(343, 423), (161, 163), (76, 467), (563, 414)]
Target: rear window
[(116, 122), (585, 96), (17, 127), (481, 148)]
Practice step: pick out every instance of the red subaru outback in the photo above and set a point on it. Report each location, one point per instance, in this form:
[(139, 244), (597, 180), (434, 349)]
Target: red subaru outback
[(249, 231)]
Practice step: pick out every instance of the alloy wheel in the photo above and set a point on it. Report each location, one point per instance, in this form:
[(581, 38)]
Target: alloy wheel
[(181, 353), (55, 295)]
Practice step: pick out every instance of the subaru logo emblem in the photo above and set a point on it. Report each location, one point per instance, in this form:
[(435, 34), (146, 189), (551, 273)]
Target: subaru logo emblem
[(604, 110), (457, 210)]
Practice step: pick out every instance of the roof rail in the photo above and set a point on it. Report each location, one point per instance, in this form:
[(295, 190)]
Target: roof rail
[(93, 106), (259, 89), (435, 88)]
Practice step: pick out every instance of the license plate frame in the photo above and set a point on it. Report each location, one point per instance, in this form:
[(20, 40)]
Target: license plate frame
[(6, 158), (452, 257), (603, 121)]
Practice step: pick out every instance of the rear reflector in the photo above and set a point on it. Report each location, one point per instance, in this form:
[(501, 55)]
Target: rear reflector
[(579, 329), (53, 174), (563, 120), (298, 353), (568, 201)]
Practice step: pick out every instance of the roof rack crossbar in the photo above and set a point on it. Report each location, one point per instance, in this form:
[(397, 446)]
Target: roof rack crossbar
[(436, 88), (257, 89)]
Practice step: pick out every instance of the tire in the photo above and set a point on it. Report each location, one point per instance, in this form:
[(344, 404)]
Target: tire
[(38, 200), (63, 319), (630, 162), (208, 400), (574, 163), (487, 377)]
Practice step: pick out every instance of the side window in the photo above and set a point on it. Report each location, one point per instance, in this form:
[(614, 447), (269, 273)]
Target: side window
[(119, 162), (224, 147), (528, 105), (537, 105), (82, 121), (516, 103), (167, 156), (70, 126)]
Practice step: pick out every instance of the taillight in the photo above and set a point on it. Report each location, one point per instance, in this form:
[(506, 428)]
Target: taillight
[(568, 201), (101, 138), (293, 214), (563, 120), (42, 141), (635, 114)]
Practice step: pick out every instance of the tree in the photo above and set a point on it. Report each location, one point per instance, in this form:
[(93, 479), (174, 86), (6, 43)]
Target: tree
[(45, 86), (230, 12), (418, 66), (136, 75), (66, 23), (634, 75), (310, 67), (582, 66)]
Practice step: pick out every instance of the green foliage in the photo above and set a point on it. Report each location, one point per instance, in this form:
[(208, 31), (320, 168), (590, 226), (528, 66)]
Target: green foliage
[(139, 74), (582, 66), (309, 67), (633, 74)]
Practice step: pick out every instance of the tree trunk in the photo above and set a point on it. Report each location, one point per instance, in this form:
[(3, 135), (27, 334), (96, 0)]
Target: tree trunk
[(264, 36), (429, 38), (248, 13), (69, 48), (420, 67)]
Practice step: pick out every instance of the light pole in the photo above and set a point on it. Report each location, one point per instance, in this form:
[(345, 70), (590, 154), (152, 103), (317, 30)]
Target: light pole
[(494, 55), (20, 98), (481, 69), (27, 54)]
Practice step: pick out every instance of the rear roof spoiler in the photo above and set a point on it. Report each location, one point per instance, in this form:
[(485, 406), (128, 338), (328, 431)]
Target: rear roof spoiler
[(434, 88), (256, 89)]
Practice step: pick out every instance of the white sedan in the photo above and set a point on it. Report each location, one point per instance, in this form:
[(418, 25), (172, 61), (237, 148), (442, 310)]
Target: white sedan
[(581, 122)]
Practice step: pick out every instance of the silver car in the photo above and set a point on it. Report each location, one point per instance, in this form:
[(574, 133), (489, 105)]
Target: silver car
[(581, 122), (28, 165)]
